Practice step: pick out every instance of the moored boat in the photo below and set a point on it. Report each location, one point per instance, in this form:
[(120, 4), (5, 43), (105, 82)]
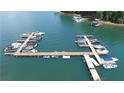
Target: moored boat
[(109, 62), (16, 45), (65, 57), (98, 46), (102, 51), (46, 56), (78, 18), (96, 23), (54, 56), (39, 33), (28, 48)]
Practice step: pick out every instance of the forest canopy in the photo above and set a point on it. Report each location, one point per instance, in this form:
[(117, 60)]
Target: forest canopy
[(113, 16)]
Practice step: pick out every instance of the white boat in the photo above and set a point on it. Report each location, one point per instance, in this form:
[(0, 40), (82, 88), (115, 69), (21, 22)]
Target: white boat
[(33, 51), (78, 18), (94, 61), (55, 56), (96, 23), (107, 66), (65, 57), (115, 59), (39, 33), (30, 51), (16, 45), (82, 45), (98, 46), (46, 56), (109, 62), (82, 36), (10, 49), (102, 51), (80, 41), (25, 34)]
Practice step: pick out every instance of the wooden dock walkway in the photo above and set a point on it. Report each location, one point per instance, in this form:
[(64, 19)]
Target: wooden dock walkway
[(93, 50), (25, 42), (51, 54), (94, 61), (92, 68)]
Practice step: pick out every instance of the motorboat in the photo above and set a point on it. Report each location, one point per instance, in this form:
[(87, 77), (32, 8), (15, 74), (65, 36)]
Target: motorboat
[(28, 48), (29, 51), (25, 35), (82, 44), (98, 46), (46, 56), (78, 18), (82, 36), (108, 66), (102, 51), (16, 45), (65, 57), (96, 23), (10, 50), (80, 41), (39, 33), (109, 62), (55, 56), (33, 51), (36, 38), (32, 44), (94, 42)]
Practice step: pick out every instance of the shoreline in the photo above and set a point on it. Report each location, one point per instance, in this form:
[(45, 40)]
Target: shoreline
[(112, 24), (104, 22)]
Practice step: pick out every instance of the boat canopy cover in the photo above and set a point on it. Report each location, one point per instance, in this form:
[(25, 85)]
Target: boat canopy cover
[(107, 58)]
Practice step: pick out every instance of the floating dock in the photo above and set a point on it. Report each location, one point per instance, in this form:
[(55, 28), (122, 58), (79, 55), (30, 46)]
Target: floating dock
[(85, 54), (29, 37), (51, 54), (92, 68), (94, 61), (93, 50)]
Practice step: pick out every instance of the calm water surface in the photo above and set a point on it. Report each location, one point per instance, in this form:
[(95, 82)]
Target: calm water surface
[(60, 36)]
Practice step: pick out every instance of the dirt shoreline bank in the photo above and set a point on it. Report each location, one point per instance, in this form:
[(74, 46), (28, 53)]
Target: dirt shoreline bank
[(113, 24)]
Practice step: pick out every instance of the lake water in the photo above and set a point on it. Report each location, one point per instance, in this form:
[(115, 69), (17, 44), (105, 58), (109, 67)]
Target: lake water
[(60, 36)]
